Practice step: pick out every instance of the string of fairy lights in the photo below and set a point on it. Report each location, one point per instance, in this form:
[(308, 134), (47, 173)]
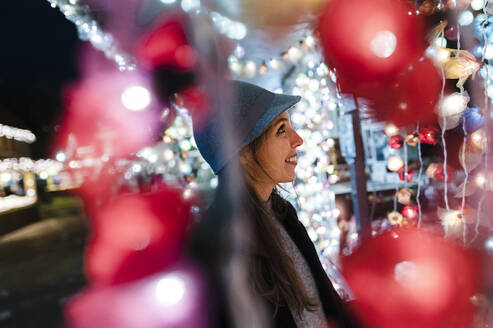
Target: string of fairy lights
[(177, 159)]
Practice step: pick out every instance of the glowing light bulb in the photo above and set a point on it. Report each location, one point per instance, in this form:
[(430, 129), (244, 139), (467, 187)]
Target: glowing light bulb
[(478, 138), (383, 44), (480, 180), (477, 4), (136, 98), (250, 69), (453, 104), (465, 18), (294, 54), (395, 163), (43, 175), (168, 2), (5, 177), (170, 290), (61, 157), (391, 130)]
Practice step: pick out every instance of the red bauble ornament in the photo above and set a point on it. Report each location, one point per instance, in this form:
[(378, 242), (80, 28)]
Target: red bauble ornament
[(137, 235), (167, 45), (410, 278), (410, 212), (410, 97), (406, 176), (439, 175), (395, 142), (428, 135), (368, 40)]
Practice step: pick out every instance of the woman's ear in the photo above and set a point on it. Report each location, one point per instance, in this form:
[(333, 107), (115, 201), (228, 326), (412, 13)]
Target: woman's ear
[(245, 157)]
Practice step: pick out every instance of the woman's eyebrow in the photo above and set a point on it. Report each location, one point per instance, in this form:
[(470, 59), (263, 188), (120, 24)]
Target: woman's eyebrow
[(281, 119)]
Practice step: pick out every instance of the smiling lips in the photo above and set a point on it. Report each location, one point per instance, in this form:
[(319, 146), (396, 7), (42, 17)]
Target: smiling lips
[(291, 160)]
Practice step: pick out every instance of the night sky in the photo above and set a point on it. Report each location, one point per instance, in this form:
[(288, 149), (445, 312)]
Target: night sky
[(36, 60)]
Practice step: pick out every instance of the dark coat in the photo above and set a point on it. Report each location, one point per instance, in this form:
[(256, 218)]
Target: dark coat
[(335, 309), (209, 249)]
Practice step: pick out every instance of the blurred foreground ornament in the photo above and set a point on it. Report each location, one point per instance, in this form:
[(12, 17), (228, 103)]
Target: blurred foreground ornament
[(395, 163), (395, 142), (404, 196), (422, 281), (474, 120), (390, 42), (428, 136), (412, 139), (451, 108), (459, 64), (435, 171), (168, 299), (470, 155), (407, 99), (395, 218), (391, 130), (405, 175), (137, 235), (166, 51), (410, 212)]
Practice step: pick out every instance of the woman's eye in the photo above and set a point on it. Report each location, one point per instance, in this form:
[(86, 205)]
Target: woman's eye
[(281, 129)]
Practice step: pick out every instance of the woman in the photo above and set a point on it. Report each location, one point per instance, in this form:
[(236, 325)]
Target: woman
[(284, 268)]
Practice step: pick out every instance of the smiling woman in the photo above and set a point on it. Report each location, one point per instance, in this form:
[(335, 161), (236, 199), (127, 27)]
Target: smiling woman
[(282, 263)]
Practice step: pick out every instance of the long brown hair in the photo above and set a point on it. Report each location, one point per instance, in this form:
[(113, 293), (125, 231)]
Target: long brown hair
[(273, 272)]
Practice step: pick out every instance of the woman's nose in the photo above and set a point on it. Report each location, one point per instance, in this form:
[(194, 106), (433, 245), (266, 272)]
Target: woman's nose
[(297, 140)]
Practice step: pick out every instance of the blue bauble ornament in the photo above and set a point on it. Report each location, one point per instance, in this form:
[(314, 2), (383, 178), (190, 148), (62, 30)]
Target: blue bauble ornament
[(474, 119)]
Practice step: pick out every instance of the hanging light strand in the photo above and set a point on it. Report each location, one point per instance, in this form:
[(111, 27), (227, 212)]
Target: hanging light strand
[(420, 174), (89, 30)]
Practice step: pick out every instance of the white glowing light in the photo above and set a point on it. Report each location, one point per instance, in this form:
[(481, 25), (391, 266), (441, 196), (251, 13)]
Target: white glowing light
[(480, 180), (5, 177), (465, 18), (188, 5), (488, 52), (453, 104), (489, 244), (168, 2), (170, 290), (477, 4), (274, 64), (442, 55), (17, 134), (294, 54), (136, 98), (250, 69), (168, 154), (61, 157), (383, 44), (310, 41), (441, 42), (43, 175), (391, 130), (137, 168), (395, 163)]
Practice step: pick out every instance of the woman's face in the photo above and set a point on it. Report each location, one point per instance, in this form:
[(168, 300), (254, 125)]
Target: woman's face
[(277, 152)]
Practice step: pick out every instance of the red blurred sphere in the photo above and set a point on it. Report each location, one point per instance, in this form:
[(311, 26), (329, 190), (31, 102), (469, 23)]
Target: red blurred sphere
[(167, 45), (406, 175), (410, 278), (368, 40), (439, 174), (411, 97), (396, 142), (410, 212), (137, 235)]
